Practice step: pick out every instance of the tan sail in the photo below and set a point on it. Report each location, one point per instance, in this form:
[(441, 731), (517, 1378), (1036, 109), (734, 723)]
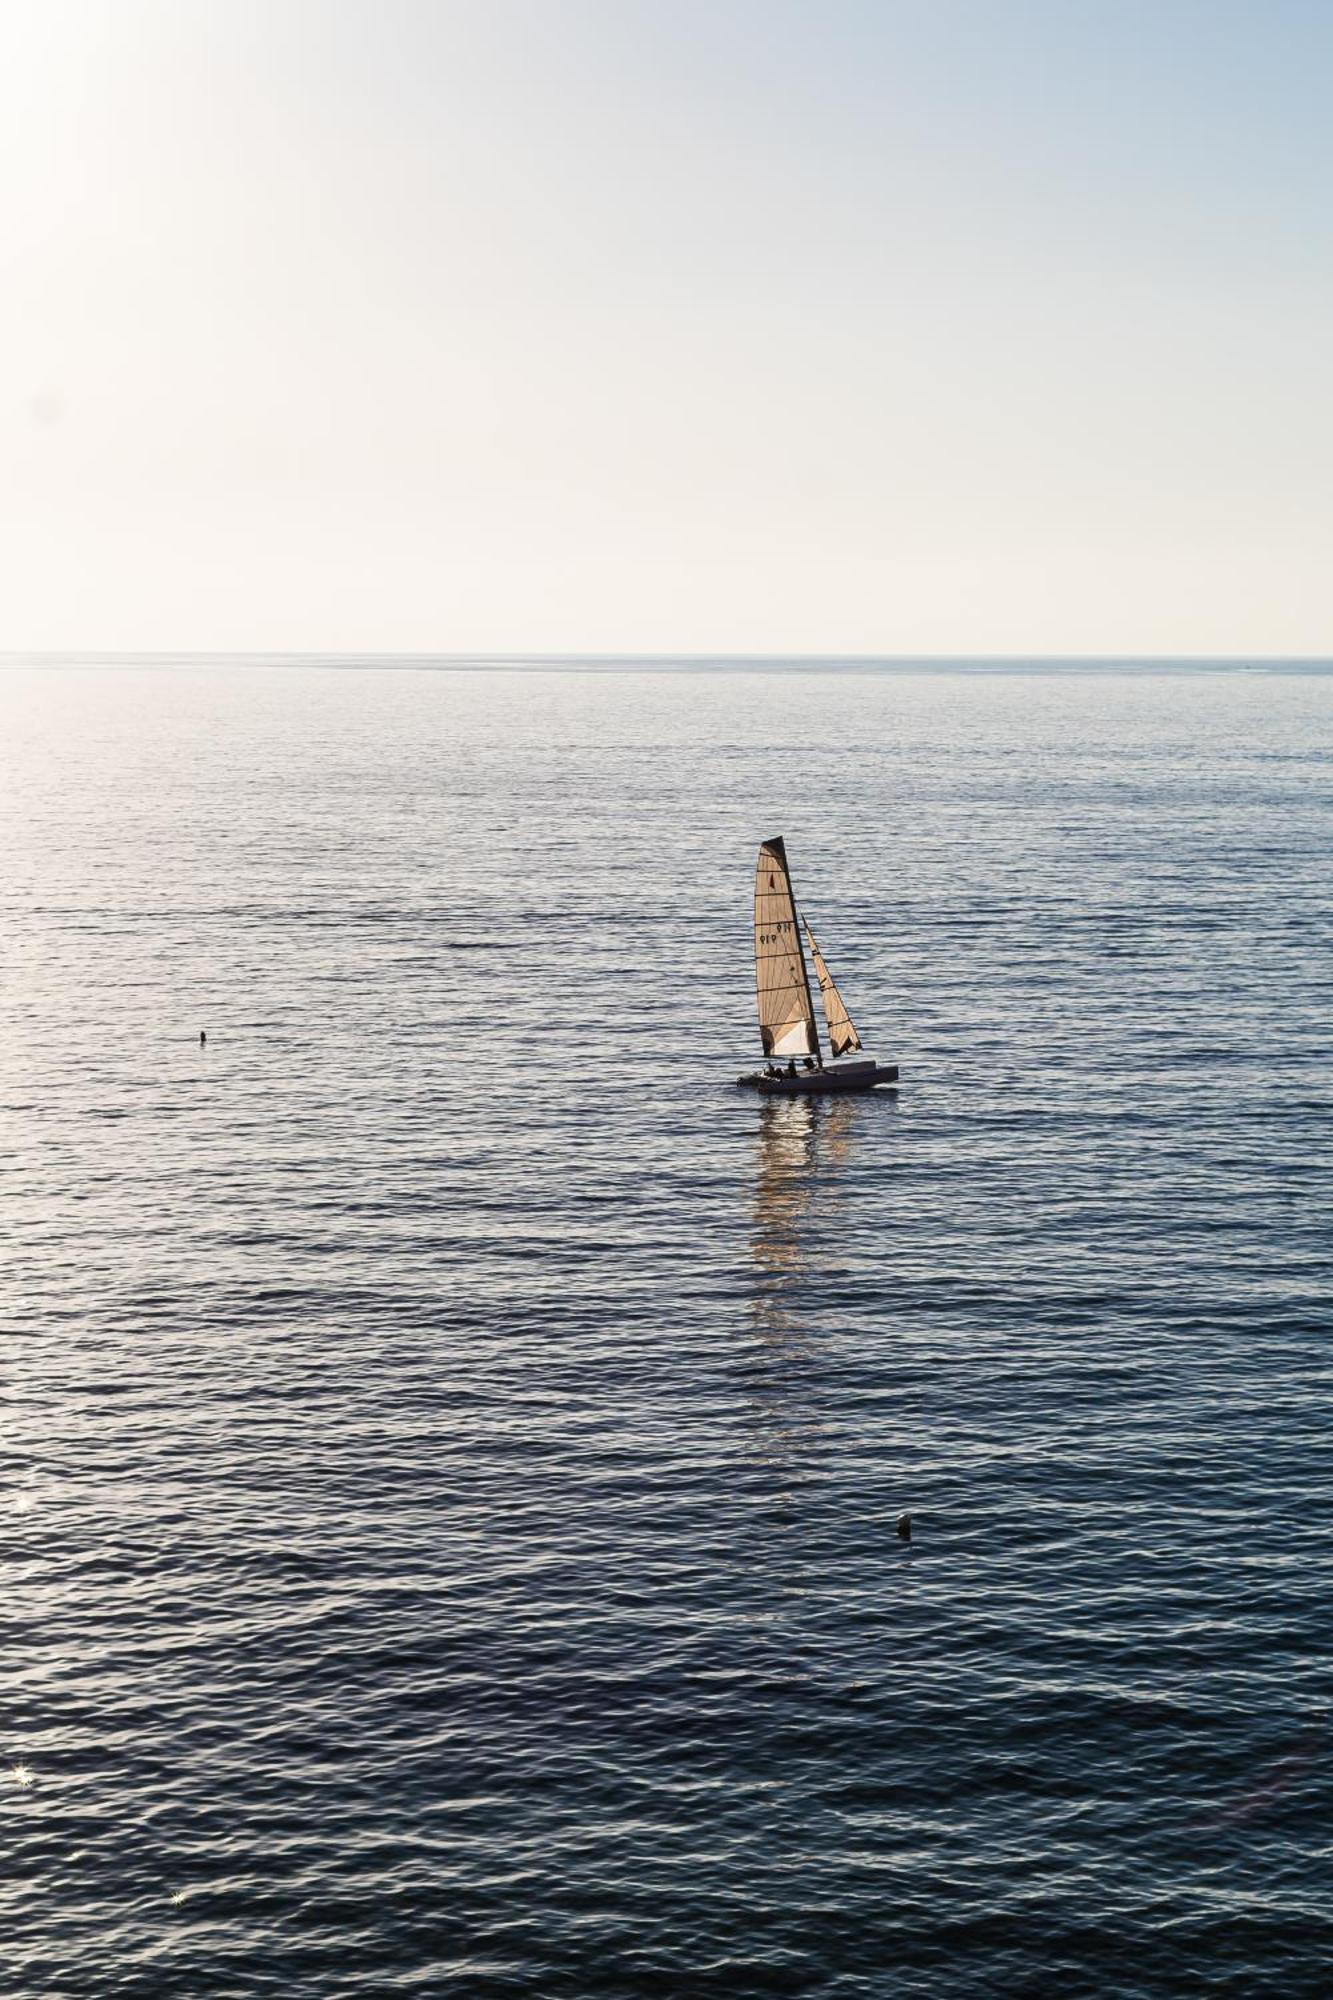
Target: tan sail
[(786, 1011), (842, 1035)]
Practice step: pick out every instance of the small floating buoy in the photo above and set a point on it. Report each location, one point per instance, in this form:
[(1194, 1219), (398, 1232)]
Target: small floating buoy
[(203, 1039), (904, 1527)]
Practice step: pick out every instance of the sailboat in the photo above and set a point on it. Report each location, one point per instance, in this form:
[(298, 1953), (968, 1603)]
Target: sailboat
[(786, 1010)]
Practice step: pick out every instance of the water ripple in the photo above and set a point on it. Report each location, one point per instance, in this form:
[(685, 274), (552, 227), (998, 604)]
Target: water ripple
[(454, 1441)]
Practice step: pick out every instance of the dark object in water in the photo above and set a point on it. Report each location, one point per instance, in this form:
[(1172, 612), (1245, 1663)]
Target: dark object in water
[(904, 1527)]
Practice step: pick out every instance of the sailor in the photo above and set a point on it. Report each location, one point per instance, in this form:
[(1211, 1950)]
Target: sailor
[(809, 1063), (791, 1067)]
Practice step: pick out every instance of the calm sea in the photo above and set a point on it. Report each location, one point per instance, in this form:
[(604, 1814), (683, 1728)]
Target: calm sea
[(453, 1438)]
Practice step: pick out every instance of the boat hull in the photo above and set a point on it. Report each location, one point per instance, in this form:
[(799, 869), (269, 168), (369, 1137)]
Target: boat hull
[(821, 1082)]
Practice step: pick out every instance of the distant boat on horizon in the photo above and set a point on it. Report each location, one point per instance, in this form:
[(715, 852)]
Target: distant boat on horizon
[(786, 1009)]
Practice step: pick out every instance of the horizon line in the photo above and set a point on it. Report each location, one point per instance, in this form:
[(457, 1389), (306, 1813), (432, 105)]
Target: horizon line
[(157, 656)]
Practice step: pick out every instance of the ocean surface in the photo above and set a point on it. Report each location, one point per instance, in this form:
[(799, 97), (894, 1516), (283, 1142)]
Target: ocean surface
[(452, 1437)]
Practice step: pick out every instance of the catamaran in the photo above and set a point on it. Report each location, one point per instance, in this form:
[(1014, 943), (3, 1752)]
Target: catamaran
[(786, 1011)]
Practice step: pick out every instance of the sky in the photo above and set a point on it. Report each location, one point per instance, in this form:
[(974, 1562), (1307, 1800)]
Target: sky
[(667, 326)]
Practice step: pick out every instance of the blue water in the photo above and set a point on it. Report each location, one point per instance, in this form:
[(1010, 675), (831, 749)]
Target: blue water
[(453, 1438)]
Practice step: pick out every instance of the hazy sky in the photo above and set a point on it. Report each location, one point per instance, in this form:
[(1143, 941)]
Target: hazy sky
[(654, 325)]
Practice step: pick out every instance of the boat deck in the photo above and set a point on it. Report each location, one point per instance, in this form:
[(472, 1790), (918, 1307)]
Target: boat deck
[(820, 1082)]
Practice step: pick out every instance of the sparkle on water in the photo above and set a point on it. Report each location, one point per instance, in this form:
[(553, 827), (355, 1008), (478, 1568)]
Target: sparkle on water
[(471, 1434)]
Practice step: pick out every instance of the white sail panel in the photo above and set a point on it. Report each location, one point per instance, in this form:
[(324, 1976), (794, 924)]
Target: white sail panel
[(786, 1011), (842, 1035)]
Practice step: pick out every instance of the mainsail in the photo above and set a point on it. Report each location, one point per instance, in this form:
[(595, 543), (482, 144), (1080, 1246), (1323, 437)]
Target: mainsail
[(786, 1012), (842, 1035)]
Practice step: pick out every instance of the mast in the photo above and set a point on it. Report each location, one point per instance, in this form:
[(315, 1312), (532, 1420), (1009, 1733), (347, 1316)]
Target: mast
[(782, 984), (805, 976)]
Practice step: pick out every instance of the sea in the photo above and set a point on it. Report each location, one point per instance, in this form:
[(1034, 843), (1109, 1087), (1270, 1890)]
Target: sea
[(454, 1439)]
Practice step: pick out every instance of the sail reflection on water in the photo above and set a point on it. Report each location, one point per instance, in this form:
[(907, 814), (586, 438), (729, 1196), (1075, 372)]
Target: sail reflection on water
[(801, 1145), (802, 1142)]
